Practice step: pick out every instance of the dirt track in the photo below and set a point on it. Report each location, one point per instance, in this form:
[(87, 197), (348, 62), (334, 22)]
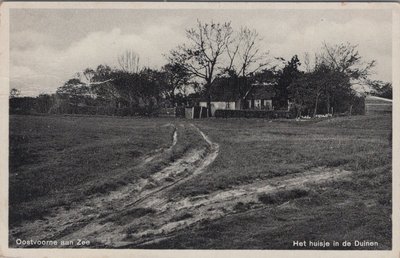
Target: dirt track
[(140, 213), (173, 216), (88, 220)]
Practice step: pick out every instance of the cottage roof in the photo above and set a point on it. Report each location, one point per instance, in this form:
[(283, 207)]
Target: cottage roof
[(228, 89), (261, 91)]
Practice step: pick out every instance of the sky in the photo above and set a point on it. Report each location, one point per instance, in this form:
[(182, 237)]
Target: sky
[(49, 46)]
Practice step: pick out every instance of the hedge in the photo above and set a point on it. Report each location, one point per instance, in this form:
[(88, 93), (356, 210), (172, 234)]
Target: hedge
[(180, 112), (269, 114)]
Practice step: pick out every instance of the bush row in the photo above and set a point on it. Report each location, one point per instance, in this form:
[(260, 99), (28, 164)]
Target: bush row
[(269, 114)]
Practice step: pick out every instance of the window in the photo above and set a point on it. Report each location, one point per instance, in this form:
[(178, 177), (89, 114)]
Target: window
[(268, 104)]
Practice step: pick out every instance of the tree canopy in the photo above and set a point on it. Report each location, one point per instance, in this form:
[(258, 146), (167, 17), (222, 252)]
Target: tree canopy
[(213, 50)]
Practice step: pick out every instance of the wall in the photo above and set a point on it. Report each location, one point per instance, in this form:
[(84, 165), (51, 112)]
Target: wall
[(188, 113), (219, 105), (259, 104)]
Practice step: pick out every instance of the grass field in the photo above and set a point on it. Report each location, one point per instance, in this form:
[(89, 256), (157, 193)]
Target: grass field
[(260, 149), (356, 209), (59, 161)]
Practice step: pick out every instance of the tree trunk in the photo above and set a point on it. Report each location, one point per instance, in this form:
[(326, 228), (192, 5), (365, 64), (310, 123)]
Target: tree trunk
[(130, 104), (316, 105), (328, 104), (172, 98), (209, 105), (208, 90), (298, 111)]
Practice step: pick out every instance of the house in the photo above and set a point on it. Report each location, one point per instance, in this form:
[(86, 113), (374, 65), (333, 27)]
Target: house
[(237, 94), (226, 94), (377, 105), (260, 96)]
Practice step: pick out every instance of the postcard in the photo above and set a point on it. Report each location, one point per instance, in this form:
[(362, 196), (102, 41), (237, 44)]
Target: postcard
[(199, 129)]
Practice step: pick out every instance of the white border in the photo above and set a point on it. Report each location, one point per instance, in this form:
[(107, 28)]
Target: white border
[(4, 82)]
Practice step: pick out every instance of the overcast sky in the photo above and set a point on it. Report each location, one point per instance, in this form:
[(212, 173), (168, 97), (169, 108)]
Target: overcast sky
[(47, 47)]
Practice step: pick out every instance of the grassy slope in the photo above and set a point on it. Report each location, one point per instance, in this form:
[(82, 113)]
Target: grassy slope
[(58, 160), (358, 209)]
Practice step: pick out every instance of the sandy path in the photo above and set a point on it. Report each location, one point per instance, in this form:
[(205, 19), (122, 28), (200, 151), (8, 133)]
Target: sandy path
[(64, 220), (171, 217), (96, 218), (110, 231), (142, 213)]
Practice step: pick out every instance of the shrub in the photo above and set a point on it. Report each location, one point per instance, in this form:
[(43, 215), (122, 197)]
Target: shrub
[(269, 114), (180, 112)]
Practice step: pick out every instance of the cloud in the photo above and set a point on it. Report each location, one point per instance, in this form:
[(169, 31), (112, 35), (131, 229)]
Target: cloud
[(41, 62), (42, 67), (371, 46), (28, 39), (293, 37)]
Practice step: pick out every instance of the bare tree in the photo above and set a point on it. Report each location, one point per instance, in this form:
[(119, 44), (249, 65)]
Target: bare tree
[(244, 53), (203, 54), (345, 58), (129, 61)]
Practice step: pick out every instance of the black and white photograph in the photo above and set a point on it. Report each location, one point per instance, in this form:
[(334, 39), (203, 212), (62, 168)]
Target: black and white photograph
[(208, 126)]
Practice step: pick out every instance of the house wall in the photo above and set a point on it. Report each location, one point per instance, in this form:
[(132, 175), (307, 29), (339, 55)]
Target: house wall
[(262, 104), (189, 113), (219, 105), (238, 104), (203, 104)]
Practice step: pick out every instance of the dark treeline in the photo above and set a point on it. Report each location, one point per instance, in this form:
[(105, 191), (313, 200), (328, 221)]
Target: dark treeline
[(381, 89), (325, 84), (107, 91)]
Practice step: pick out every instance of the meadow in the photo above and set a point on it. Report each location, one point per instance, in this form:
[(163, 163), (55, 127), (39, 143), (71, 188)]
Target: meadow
[(358, 208), (58, 160), (63, 160)]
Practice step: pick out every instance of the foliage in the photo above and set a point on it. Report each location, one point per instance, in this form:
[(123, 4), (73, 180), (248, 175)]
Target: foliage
[(244, 54), (14, 93), (346, 59), (286, 76), (214, 50), (44, 103), (73, 90), (268, 114), (202, 56), (264, 75), (381, 89), (139, 92), (327, 87), (175, 78)]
